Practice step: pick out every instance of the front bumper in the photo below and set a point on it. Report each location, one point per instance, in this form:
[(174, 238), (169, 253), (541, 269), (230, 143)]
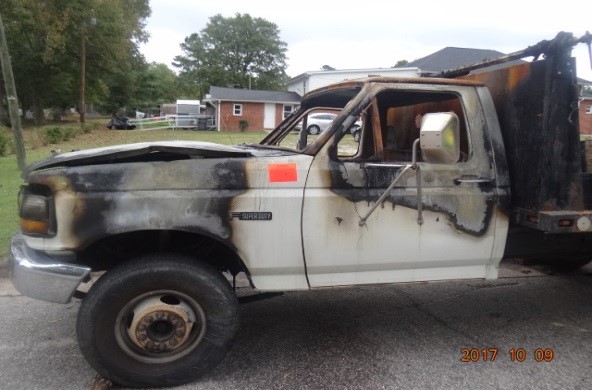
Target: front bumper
[(39, 275)]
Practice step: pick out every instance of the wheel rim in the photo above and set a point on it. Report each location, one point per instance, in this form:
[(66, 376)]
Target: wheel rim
[(357, 136), (160, 326), (314, 130)]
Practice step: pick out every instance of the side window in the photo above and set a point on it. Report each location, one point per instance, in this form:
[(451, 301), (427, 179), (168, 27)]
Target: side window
[(311, 125), (391, 124), (287, 110)]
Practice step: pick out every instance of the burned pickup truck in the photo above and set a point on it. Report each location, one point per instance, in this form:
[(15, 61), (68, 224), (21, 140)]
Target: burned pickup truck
[(450, 174)]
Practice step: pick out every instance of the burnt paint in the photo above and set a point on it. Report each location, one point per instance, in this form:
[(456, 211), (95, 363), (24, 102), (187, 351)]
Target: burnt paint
[(375, 181), (534, 103), (187, 195)]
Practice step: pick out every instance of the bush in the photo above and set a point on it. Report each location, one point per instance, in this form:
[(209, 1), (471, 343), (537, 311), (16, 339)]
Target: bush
[(90, 126), (53, 135), (243, 124), (4, 143)]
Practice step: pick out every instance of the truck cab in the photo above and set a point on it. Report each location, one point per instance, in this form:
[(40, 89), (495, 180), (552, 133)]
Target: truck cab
[(452, 225)]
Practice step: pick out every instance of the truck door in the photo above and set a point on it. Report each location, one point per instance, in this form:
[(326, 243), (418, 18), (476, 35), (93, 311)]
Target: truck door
[(454, 237)]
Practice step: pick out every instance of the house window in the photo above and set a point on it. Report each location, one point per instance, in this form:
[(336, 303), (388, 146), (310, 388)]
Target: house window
[(237, 110), (589, 110), (288, 110)]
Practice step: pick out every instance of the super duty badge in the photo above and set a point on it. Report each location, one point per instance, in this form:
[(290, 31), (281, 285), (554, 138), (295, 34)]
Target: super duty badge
[(250, 216)]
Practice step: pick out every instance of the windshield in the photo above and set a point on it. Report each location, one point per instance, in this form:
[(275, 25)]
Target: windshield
[(315, 120)]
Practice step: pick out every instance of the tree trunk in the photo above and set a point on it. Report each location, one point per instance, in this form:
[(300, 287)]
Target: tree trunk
[(38, 113)]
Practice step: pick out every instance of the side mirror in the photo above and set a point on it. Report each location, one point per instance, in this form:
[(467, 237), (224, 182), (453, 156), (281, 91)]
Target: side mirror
[(439, 138)]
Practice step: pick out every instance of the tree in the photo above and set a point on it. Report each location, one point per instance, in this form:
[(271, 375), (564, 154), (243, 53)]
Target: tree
[(401, 63), (157, 84), (325, 68), (239, 50), (51, 40)]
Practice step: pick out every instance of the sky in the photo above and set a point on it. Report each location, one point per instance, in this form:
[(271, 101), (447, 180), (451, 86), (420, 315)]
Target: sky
[(377, 34)]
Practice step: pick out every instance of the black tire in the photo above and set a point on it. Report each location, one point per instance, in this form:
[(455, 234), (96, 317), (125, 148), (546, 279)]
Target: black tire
[(158, 320), (567, 264), (314, 129), (357, 135)]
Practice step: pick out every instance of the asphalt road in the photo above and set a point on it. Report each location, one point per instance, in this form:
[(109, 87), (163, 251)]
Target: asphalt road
[(407, 336)]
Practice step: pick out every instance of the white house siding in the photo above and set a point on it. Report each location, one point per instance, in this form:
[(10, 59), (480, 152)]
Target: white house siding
[(308, 81)]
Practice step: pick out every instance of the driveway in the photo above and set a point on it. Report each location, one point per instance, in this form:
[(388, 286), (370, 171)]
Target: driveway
[(408, 336)]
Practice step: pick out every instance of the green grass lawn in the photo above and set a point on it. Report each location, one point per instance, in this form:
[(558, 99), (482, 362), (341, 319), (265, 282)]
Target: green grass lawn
[(10, 179)]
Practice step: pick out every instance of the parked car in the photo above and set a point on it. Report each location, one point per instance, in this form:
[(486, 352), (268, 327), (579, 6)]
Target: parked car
[(121, 123), (356, 132), (319, 122)]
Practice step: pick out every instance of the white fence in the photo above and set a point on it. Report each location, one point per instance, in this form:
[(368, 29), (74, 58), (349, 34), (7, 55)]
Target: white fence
[(196, 122)]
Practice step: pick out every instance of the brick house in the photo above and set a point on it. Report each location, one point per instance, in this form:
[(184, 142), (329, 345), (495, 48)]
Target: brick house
[(261, 109), (586, 115)]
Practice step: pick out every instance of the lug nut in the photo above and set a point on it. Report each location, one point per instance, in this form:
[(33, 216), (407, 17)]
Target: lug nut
[(142, 337)]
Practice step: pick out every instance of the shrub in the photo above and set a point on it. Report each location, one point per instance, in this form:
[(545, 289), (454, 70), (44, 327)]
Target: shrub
[(70, 132), (243, 124), (53, 135), (4, 143), (88, 127)]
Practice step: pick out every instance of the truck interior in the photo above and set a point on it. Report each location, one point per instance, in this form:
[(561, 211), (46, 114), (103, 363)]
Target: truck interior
[(391, 123)]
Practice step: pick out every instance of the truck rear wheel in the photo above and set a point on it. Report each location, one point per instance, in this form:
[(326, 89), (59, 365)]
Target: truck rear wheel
[(158, 320)]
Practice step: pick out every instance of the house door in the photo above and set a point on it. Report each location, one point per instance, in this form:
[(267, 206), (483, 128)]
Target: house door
[(269, 116)]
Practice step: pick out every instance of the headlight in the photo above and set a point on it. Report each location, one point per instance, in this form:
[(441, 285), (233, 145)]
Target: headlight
[(34, 211)]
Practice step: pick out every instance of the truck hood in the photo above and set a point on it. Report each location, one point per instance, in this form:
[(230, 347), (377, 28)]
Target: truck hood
[(148, 151)]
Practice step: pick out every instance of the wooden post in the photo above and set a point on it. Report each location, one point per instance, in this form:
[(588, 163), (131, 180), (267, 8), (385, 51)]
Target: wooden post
[(12, 99)]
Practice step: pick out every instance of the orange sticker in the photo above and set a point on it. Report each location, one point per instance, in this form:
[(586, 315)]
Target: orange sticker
[(282, 173)]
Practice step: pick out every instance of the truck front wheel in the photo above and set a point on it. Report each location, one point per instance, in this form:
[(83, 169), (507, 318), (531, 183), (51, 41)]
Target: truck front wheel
[(159, 320)]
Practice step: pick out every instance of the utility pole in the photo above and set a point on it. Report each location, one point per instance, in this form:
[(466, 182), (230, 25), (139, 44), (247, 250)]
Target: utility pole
[(84, 36), (83, 76), (15, 119)]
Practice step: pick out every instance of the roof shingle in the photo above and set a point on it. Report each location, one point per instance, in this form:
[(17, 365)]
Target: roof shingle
[(252, 95), (453, 57)]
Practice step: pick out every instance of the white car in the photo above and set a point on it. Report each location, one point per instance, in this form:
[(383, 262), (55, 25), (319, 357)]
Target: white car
[(319, 122)]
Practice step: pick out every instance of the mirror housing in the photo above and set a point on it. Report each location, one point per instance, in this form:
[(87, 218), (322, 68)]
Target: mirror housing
[(439, 138)]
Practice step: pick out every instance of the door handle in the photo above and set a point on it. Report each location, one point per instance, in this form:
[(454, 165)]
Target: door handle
[(461, 180)]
